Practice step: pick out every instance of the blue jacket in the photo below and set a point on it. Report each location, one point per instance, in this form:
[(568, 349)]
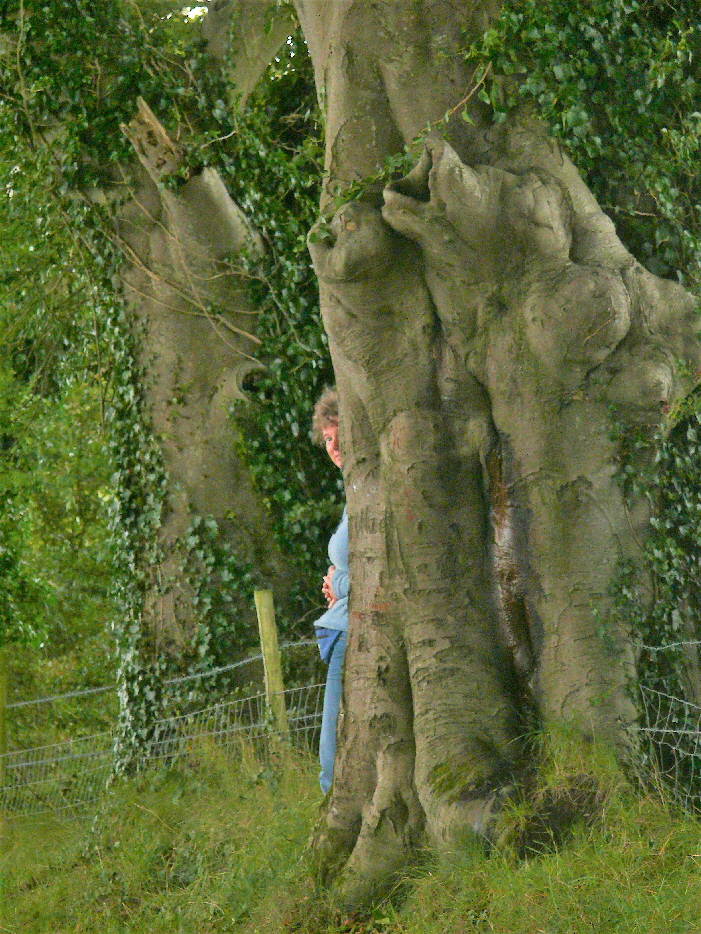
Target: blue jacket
[(337, 616)]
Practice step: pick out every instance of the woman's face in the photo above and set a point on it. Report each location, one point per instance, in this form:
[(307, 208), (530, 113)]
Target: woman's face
[(330, 435)]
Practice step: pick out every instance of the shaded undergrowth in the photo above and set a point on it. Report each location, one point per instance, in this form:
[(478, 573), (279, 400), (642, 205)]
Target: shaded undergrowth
[(217, 847)]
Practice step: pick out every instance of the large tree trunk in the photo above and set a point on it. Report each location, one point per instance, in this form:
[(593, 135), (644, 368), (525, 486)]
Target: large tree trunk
[(195, 326), (196, 332), (197, 345), (484, 322)]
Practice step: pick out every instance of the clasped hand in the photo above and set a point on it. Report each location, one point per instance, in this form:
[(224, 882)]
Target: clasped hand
[(327, 589)]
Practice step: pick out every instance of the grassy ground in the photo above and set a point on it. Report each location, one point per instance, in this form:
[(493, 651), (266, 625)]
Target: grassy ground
[(218, 848)]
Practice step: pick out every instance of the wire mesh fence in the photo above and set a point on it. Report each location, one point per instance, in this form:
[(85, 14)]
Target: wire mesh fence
[(57, 777), (670, 719), (247, 719), (671, 732), (72, 775)]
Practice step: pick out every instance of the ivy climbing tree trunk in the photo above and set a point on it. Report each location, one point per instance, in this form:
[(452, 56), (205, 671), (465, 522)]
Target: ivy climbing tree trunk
[(190, 523), (492, 341), (197, 348), (205, 523), (182, 241)]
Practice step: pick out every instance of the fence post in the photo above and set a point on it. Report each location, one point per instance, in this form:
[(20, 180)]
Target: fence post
[(272, 666)]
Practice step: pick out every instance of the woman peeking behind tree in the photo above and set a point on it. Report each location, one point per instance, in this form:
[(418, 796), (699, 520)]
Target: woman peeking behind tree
[(331, 627)]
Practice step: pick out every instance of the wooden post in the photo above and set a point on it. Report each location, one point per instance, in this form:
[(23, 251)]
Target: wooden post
[(271, 657)]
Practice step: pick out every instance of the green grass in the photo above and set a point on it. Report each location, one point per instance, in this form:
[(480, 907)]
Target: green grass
[(186, 850), (640, 871), (216, 847)]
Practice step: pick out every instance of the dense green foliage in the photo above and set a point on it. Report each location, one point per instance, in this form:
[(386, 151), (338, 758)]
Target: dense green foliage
[(662, 608), (272, 165), (268, 155), (619, 83), (55, 575), (53, 465)]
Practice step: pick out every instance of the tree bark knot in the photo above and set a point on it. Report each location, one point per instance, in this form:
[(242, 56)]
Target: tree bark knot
[(485, 323)]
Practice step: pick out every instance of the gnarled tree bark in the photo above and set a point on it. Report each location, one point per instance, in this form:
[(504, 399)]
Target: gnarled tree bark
[(488, 329)]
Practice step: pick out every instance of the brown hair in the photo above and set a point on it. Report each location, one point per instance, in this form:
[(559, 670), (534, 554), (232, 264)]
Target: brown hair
[(325, 414)]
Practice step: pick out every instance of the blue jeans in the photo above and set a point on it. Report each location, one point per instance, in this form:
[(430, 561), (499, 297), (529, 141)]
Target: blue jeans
[(329, 718)]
